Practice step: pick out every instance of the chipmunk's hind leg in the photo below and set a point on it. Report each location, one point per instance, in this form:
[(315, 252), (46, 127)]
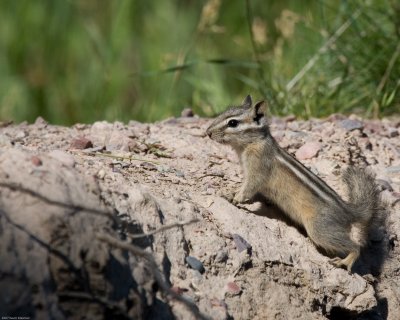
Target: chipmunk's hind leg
[(334, 237), (346, 262)]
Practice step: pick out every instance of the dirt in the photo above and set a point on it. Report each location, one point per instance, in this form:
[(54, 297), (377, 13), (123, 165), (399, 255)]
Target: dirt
[(127, 221)]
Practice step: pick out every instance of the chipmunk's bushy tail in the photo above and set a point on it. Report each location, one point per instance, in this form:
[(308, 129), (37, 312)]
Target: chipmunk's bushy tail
[(364, 197)]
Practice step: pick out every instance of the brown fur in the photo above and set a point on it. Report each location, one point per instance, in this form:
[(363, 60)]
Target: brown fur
[(300, 208)]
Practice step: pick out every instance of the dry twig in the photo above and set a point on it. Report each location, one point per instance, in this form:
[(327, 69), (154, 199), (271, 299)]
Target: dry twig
[(163, 228), (74, 207), (154, 269), (115, 156)]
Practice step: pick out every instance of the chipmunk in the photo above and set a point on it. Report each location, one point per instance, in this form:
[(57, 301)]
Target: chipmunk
[(272, 172)]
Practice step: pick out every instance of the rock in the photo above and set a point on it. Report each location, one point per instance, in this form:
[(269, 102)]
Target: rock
[(81, 126), (232, 289), (289, 118), (101, 174), (179, 174), (21, 134), (33, 230), (81, 143), (195, 264), (293, 126), (36, 161), (350, 125), (285, 277), (336, 117), (373, 127), (241, 244), (221, 256), (187, 112), (40, 121), (393, 132), (196, 279), (6, 123), (308, 150), (148, 166)]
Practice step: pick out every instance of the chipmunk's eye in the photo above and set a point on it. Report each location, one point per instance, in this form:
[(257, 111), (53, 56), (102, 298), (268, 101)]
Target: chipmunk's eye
[(233, 123)]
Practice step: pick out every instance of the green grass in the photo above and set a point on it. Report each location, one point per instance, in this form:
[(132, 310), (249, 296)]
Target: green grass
[(86, 60)]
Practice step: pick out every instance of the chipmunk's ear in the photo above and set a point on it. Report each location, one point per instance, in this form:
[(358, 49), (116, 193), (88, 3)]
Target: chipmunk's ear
[(247, 102), (259, 110)]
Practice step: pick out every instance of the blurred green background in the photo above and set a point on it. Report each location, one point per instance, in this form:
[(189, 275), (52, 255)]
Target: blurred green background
[(86, 60)]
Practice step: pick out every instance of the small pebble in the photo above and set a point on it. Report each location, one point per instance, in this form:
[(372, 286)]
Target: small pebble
[(40, 121), (179, 173), (81, 143), (351, 125), (21, 134), (148, 166), (308, 150), (196, 279), (336, 117), (163, 169), (393, 132), (101, 174), (293, 126), (36, 161), (187, 112), (195, 264), (81, 126), (373, 127), (241, 244), (233, 289), (289, 118)]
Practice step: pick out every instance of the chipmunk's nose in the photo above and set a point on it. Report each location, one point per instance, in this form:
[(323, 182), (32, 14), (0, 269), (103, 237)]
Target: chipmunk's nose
[(208, 132)]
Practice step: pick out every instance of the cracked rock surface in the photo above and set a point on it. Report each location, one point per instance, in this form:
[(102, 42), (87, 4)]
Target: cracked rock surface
[(63, 189)]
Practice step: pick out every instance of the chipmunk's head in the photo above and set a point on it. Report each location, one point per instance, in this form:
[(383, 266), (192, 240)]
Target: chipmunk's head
[(239, 126)]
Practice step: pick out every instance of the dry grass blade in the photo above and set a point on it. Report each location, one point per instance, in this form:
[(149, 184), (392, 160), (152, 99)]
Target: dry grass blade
[(164, 228), (114, 156)]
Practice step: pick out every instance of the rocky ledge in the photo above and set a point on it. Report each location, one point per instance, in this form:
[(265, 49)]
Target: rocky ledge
[(123, 221)]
